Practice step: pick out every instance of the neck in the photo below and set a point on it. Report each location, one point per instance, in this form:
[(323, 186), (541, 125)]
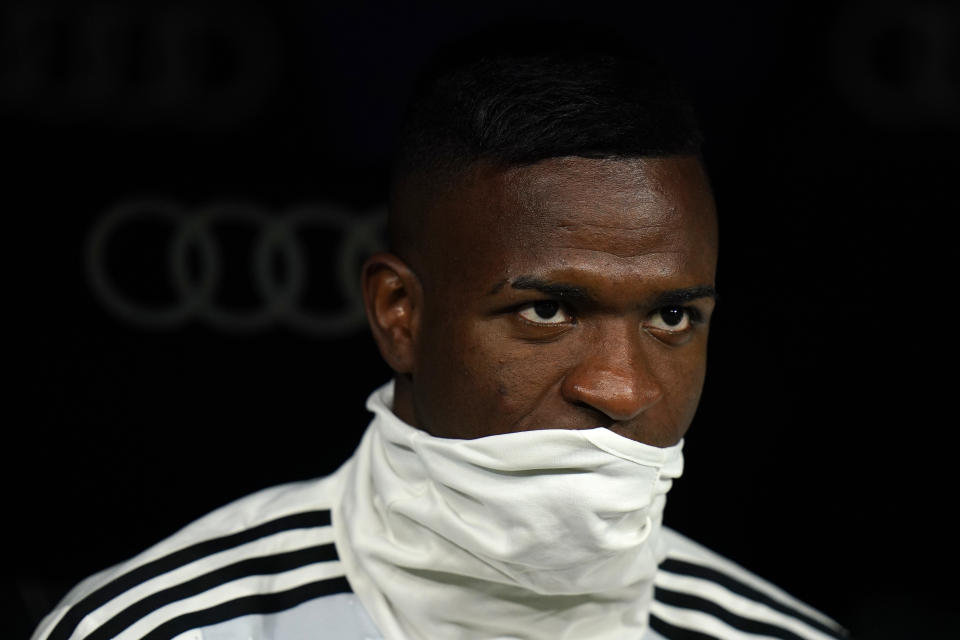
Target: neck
[(403, 405)]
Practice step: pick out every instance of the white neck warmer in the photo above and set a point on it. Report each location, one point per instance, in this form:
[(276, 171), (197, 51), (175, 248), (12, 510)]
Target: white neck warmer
[(550, 534)]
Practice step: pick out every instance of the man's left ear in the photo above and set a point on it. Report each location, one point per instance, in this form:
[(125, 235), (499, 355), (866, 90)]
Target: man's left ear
[(393, 299)]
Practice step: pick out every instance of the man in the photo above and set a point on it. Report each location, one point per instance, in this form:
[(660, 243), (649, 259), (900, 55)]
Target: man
[(545, 308)]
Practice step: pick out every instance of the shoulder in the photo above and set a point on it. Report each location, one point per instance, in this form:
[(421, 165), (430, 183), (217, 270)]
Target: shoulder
[(700, 594), (269, 552)]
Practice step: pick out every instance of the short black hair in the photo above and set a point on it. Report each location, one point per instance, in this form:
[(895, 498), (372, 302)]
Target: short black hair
[(515, 99), (519, 94)]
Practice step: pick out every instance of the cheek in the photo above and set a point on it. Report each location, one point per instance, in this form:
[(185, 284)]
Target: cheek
[(508, 380), (518, 381), (528, 379), (685, 386), (469, 384), (501, 376)]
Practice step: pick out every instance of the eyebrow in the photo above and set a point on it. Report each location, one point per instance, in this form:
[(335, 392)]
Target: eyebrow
[(576, 293), (681, 296), (554, 289)]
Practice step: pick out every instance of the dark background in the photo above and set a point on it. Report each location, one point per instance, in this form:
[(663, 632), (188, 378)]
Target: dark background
[(822, 454)]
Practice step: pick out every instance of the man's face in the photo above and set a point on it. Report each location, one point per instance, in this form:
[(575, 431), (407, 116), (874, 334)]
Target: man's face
[(574, 293)]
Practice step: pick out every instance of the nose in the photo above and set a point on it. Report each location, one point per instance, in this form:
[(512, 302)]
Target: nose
[(614, 377)]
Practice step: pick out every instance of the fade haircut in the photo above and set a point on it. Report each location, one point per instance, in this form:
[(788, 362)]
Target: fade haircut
[(524, 99)]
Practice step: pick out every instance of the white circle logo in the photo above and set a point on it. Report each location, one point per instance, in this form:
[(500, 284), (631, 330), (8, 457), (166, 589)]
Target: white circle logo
[(195, 265)]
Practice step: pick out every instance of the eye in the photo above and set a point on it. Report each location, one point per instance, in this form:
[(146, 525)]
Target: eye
[(672, 319), (545, 312)]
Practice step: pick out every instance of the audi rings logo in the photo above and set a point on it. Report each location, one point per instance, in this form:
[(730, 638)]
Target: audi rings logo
[(188, 250)]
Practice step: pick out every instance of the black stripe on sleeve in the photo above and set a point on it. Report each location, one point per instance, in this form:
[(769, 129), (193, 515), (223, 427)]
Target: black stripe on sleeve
[(673, 632), (250, 567), (115, 587), (682, 567), (687, 601), (259, 604)]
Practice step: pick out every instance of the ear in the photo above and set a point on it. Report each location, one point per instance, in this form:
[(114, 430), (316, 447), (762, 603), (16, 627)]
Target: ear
[(393, 298)]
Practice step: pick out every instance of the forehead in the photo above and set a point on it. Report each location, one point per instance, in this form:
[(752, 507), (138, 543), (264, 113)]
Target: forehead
[(600, 217)]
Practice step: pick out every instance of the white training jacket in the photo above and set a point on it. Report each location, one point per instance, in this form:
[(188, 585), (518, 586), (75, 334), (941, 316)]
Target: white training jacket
[(267, 567)]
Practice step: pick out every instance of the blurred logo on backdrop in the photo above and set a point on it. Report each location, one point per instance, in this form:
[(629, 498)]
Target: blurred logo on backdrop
[(235, 266), (897, 62), (181, 64)]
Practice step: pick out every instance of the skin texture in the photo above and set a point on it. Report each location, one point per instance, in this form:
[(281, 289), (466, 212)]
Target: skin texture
[(549, 296)]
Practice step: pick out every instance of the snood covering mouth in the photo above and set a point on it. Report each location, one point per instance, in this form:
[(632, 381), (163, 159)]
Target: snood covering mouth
[(551, 533)]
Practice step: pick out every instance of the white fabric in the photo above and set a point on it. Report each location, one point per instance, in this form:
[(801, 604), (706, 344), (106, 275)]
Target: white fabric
[(340, 617), (546, 534)]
